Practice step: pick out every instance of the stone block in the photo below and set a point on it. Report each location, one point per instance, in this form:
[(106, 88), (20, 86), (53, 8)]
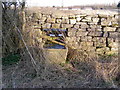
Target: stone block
[(57, 56), (72, 17), (78, 19), (109, 29), (65, 21), (113, 34), (58, 20), (113, 44), (88, 18), (55, 25), (95, 20), (105, 34), (66, 25), (102, 50), (76, 26), (72, 21), (51, 20), (86, 38), (81, 29), (106, 22), (46, 25), (81, 33), (95, 33), (37, 15), (84, 25)]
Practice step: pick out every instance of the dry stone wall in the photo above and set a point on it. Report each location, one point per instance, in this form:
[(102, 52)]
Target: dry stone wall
[(98, 32)]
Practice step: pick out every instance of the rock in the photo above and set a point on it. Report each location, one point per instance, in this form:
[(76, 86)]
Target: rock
[(55, 25), (82, 29), (113, 44), (95, 20), (106, 22), (51, 20), (105, 34), (58, 20), (113, 34), (95, 33), (72, 21), (76, 26), (88, 18), (37, 15), (65, 21), (72, 32), (78, 19), (81, 33), (102, 50), (83, 25), (46, 25), (72, 17), (109, 29), (66, 25), (86, 38)]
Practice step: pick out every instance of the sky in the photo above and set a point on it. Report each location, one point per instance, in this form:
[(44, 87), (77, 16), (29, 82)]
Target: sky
[(68, 2)]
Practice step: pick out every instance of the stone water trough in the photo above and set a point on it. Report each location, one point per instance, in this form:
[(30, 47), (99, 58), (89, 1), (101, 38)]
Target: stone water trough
[(56, 53)]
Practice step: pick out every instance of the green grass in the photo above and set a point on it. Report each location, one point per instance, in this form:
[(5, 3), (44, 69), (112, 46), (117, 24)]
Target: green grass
[(10, 59)]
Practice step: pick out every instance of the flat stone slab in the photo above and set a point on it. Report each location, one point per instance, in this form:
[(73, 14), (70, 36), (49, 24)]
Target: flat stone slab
[(56, 55)]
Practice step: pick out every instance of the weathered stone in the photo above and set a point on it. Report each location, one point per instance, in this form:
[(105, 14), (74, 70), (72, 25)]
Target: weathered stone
[(113, 44), (46, 25), (86, 43), (83, 25), (102, 50), (65, 21), (91, 29), (99, 42), (37, 15), (76, 26), (86, 38), (113, 34), (105, 34), (72, 17), (57, 16), (72, 32), (106, 22), (95, 26), (81, 33), (57, 56), (37, 26), (111, 52), (95, 33), (109, 29), (43, 19), (114, 49), (78, 19), (72, 21), (65, 17), (55, 25), (95, 20), (51, 20), (70, 39), (66, 25), (99, 39), (88, 18), (82, 29), (58, 20), (103, 15), (115, 24)]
